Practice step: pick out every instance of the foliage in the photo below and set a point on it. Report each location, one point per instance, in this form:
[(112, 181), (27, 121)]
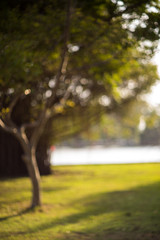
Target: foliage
[(31, 46), (121, 127), (150, 134)]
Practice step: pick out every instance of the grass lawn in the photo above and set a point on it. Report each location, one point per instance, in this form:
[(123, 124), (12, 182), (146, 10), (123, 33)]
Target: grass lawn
[(103, 202)]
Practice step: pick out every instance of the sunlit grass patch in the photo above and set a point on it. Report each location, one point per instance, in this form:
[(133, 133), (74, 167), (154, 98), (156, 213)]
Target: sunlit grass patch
[(85, 202)]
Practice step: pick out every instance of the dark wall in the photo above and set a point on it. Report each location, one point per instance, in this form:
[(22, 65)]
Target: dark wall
[(11, 163)]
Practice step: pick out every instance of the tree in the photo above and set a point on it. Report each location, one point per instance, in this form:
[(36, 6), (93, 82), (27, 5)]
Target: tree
[(150, 133), (11, 163), (65, 55)]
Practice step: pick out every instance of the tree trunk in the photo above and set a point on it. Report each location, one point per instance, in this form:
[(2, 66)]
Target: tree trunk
[(31, 163)]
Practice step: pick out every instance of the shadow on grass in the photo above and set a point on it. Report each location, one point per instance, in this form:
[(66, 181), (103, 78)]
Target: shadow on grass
[(14, 193), (54, 189), (25, 211), (30, 209), (139, 218)]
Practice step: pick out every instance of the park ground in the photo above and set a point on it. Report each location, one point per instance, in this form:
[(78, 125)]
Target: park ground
[(100, 202)]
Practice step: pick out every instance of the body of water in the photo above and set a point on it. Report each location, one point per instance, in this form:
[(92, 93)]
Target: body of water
[(102, 155)]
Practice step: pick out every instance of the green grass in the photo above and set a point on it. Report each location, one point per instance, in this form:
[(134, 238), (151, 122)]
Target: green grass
[(103, 202)]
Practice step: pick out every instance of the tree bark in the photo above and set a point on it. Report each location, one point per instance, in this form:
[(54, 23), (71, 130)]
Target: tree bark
[(31, 164)]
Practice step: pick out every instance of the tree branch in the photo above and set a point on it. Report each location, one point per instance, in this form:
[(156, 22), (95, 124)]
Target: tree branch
[(12, 105), (65, 97), (7, 118), (15, 131), (5, 127), (70, 88), (29, 125), (40, 124), (64, 55)]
